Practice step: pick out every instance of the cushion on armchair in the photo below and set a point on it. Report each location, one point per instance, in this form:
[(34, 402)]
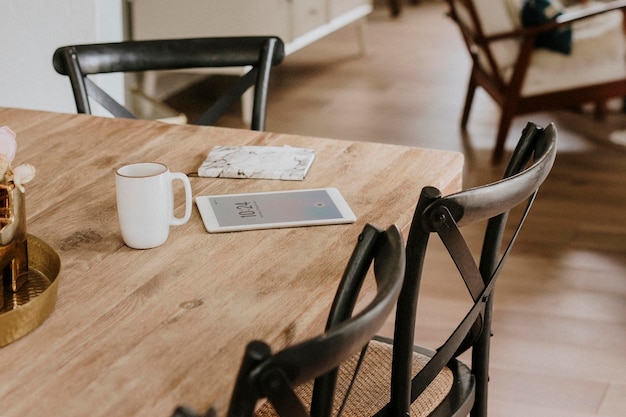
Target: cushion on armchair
[(598, 55), (598, 48), (539, 12)]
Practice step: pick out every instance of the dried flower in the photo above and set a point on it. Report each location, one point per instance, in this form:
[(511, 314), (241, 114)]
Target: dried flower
[(8, 144), (21, 174)]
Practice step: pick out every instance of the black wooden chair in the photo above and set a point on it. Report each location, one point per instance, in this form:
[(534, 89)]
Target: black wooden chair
[(416, 370), (276, 376), (257, 53)]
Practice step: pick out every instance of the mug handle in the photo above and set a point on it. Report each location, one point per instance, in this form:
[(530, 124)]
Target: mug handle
[(177, 221)]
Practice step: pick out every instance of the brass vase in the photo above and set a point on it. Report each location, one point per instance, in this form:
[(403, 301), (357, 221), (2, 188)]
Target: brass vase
[(13, 239)]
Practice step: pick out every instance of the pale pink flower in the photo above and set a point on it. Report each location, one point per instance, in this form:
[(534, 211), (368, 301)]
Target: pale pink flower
[(22, 174), (4, 167), (8, 144)]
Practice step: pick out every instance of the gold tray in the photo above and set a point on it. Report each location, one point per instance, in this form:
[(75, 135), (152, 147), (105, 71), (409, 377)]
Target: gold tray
[(25, 310)]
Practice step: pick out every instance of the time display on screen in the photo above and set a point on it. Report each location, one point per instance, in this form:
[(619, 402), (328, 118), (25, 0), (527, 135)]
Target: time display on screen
[(246, 210)]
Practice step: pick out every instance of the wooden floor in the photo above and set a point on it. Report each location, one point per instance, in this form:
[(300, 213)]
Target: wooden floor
[(560, 325)]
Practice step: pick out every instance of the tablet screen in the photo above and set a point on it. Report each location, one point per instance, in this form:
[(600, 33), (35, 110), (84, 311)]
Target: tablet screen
[(274, 209)]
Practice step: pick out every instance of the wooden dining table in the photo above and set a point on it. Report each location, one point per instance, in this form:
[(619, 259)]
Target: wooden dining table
[(138, 332)]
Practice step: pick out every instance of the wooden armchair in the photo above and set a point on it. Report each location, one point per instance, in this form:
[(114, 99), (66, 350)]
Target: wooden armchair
[(523, 78)]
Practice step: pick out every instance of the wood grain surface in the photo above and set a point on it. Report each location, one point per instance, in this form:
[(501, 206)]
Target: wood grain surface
[(137, 332)]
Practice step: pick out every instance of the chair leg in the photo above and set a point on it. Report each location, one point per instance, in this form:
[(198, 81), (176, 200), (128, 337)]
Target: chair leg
[(503, 129), (469, 98), (601, 110), (480, 364), (394, 7)]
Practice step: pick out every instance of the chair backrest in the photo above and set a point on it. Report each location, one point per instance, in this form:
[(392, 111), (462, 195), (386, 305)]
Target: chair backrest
[(445, 216), (480, 20), (258, 54), (274, 376)]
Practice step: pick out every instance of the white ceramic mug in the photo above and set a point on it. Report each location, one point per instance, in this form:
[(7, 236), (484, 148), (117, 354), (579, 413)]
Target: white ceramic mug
[(145, 203)]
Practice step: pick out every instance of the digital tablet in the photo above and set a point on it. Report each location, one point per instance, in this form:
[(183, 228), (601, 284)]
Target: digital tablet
[(269, 210)]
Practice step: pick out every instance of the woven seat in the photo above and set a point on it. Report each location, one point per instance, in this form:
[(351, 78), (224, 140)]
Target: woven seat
[(368, 395)]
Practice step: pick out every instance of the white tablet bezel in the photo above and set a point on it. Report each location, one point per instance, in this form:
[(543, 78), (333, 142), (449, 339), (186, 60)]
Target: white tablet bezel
[(212, 225)]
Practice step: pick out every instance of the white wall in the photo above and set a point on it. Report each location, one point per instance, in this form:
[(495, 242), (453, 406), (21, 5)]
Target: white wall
[(30, 32)]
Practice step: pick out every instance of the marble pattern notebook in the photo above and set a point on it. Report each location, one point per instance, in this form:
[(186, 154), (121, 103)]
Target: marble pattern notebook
[(261, 162)]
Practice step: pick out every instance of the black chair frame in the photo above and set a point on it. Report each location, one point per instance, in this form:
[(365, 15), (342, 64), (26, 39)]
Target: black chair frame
[(260, 53), (274, 376), (445, 216)]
